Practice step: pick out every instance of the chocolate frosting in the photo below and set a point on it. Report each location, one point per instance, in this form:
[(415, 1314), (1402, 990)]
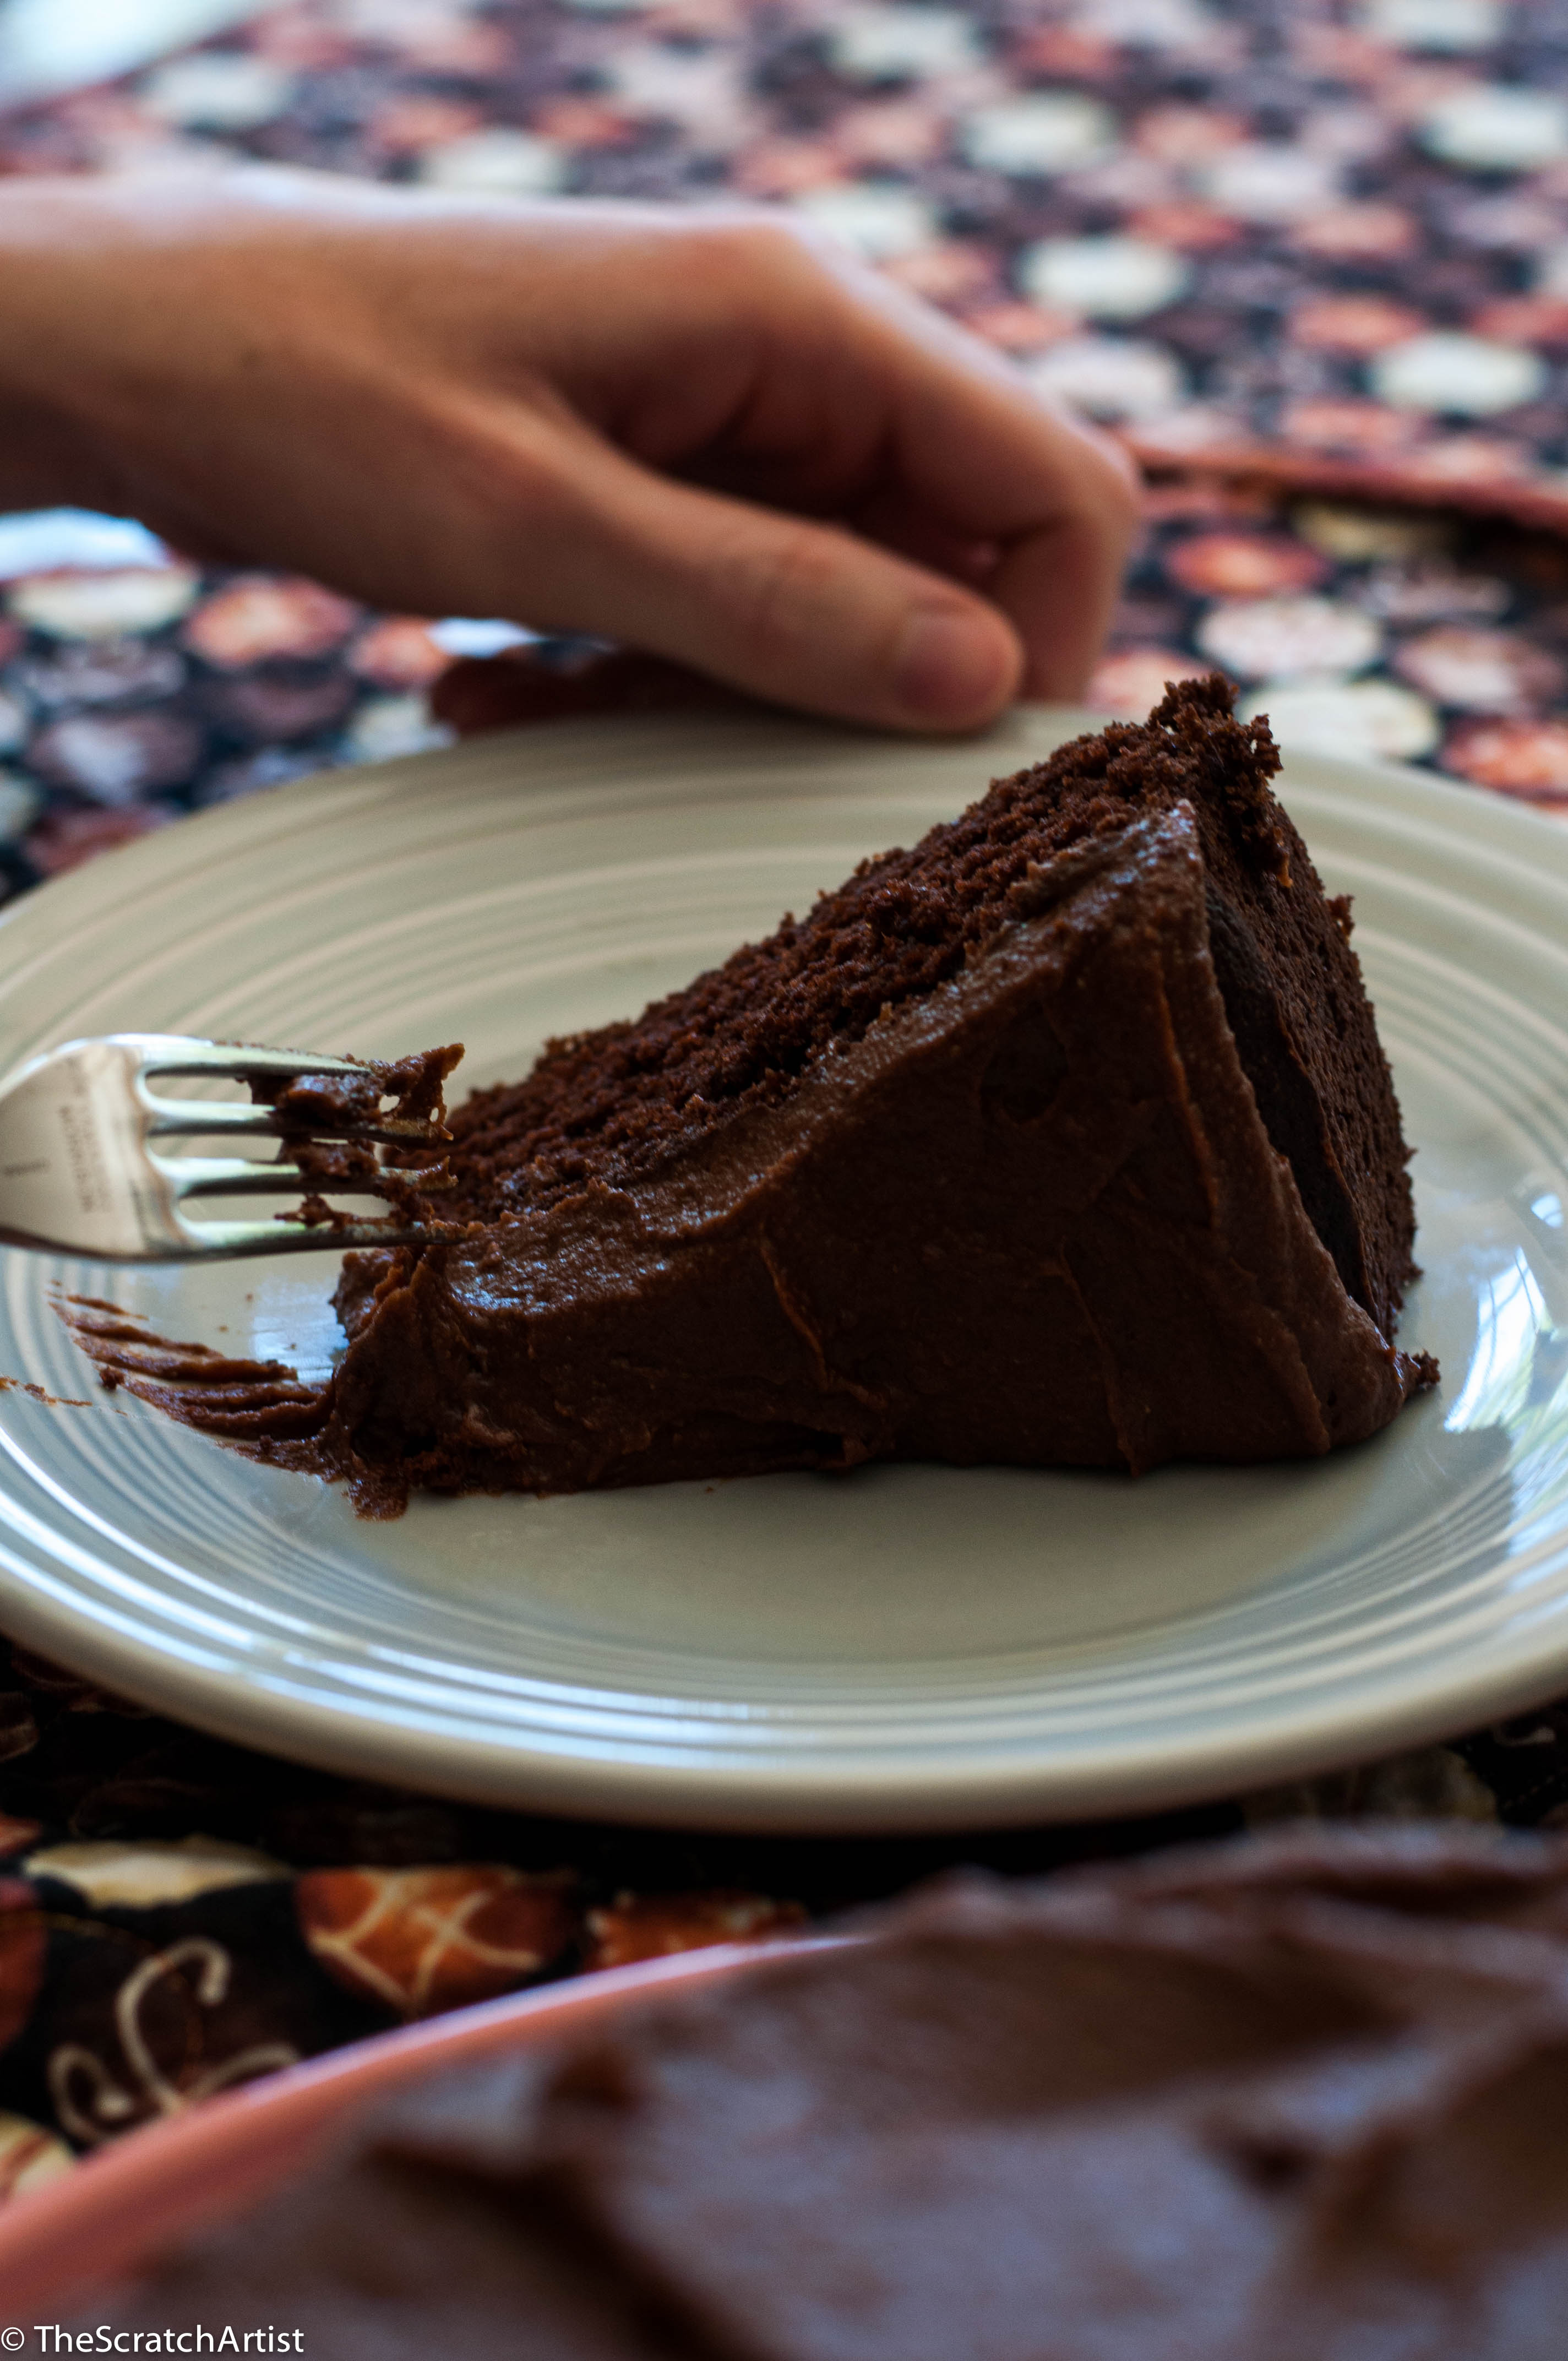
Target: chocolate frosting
[(1293, 2099), (1032, 1216), (1112, 1176)]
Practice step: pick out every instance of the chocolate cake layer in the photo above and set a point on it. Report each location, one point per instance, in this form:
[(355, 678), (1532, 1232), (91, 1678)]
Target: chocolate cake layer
[(614, 1104), (1065, 1139), (1293, 2099)]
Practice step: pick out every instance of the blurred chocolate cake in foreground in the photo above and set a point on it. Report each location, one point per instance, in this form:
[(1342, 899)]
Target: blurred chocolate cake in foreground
[(1297, 2098)]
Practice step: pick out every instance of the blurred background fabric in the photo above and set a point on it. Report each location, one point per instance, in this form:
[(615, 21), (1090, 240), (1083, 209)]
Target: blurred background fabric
[(1309, 257)]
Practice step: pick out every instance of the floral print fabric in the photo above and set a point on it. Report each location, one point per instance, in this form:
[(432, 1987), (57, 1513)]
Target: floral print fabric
[(1309, 256)]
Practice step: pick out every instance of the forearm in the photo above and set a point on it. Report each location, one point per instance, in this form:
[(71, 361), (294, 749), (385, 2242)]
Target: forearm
[(49, 455)]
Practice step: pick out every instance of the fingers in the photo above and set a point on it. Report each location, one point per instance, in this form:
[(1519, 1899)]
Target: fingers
[(798, 612), (979, 451), (799, 379), (1057, 585), (1059, 573)]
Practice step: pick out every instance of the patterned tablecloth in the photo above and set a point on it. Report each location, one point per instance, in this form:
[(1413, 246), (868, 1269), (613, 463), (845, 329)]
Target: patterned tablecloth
[(1310, 257)]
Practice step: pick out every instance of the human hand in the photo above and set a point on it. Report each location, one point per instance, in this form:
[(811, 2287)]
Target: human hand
[(703, 434)]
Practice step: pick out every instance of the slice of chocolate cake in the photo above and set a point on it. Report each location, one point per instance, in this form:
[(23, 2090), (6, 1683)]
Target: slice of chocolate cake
[(1063, 1139)]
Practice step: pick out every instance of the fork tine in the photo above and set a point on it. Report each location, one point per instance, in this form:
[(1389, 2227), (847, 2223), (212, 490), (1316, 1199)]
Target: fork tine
[(235, 1176), (81, 1173), (280, 1237), (184, 1118), (178, 1053), (188, 1119)]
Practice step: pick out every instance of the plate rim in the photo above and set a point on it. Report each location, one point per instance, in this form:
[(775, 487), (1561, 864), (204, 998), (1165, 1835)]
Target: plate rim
[(762, 1800), (758, 1796)]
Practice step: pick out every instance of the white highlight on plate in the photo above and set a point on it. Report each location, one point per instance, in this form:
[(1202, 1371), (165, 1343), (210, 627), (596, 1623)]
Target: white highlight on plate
[(1512, 1313)]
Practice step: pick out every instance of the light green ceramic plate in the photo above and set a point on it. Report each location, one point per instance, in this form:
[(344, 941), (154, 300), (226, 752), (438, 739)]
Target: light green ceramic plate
[(903, 1647)]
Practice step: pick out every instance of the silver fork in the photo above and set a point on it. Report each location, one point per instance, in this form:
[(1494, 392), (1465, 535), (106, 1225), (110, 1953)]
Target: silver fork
[(81, 1170)]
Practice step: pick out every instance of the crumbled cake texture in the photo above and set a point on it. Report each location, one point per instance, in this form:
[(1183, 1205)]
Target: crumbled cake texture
[(1111, 992)]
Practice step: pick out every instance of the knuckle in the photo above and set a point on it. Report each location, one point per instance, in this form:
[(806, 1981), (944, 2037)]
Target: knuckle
[(1123, 477), (520, 471), (1121, 486), (1107, 484), (746, 247), (777, 587), (520, 498)]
